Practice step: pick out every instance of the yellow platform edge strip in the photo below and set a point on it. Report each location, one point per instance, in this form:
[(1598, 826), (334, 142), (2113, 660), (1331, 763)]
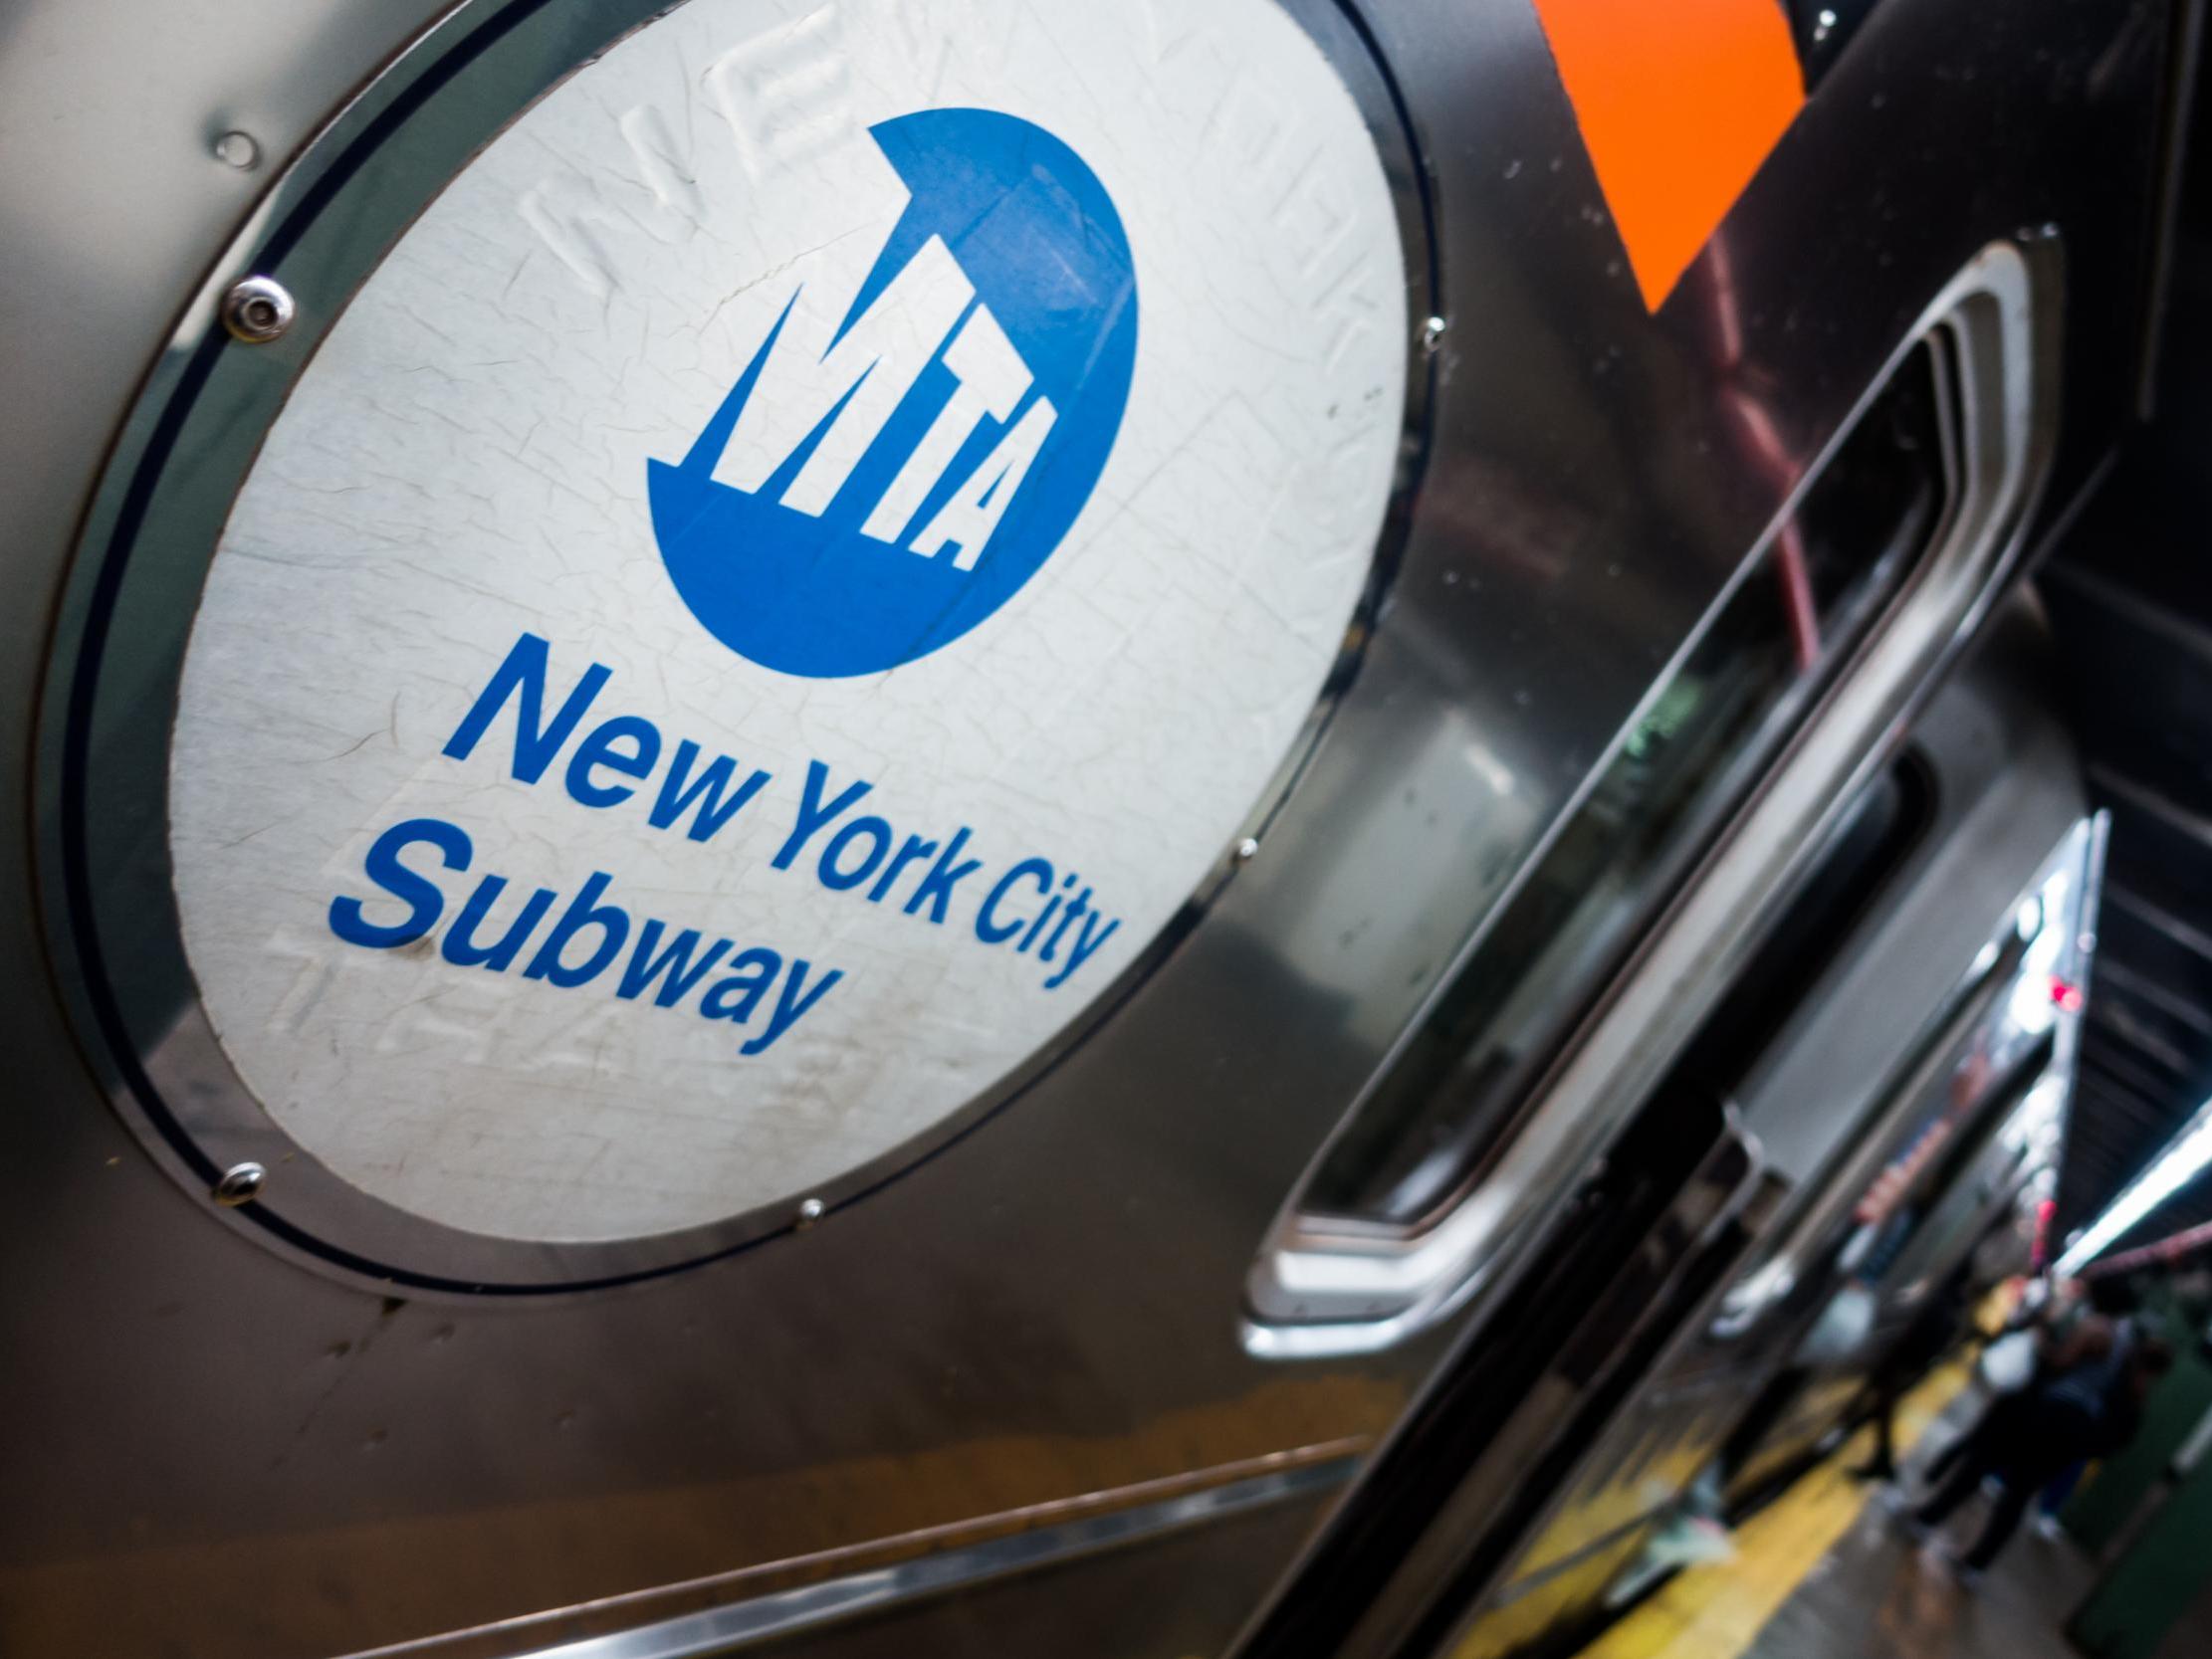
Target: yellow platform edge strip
[(1716, 1611)]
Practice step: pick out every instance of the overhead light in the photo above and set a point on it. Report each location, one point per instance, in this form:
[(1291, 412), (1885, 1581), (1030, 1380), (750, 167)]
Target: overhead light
[(2184, 1158)]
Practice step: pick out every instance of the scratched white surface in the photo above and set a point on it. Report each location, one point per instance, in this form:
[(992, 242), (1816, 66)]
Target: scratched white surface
[(466, 459)]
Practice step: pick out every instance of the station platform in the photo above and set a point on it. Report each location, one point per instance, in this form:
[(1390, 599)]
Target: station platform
[(1821, 1573)]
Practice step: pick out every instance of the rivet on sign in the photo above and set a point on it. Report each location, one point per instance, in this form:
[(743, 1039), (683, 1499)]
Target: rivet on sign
[(241, 1184), (1246, 850), (1431, 333), (809, 1212), (257, 311), (237, 150)]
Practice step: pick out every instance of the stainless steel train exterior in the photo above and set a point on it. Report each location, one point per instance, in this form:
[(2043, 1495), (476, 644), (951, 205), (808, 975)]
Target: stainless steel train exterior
[(1910, 1105), (1338, 1274), (1935, 1179)]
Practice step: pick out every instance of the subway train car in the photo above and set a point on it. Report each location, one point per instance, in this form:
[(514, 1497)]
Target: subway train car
[(968, 826), (1899, 1054), (1966, 1143)]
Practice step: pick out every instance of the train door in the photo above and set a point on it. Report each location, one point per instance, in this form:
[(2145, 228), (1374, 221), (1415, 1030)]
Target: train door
[(845, 821), (1532, 1475), (1960, 1139), (1941, 841)]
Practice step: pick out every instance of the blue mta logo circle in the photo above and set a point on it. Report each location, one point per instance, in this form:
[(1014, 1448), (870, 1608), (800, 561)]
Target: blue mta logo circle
[(871, 490)]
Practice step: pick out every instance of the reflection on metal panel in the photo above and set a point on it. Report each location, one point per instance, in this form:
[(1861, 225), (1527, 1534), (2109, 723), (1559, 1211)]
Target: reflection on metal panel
[(1892, 549), (725, 1628)]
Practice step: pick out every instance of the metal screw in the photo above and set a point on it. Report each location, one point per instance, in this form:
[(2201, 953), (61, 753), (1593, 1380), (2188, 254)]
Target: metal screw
[(1245, 851), (241, 1184), (237, 150), (809, 1212), (257, 311), (1431, 333)]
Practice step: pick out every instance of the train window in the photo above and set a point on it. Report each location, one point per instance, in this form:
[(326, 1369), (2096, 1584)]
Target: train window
[(1929, 1212), (1955, 1087), (1702, 740), (1919, 1209), (1568, 1012), (1881, 827)]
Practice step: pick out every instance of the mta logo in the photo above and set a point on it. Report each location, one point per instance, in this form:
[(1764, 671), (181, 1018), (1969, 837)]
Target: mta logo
[(869, 493)]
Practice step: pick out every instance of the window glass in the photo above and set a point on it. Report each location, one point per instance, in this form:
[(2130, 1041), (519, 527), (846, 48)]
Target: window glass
[(1702, 740)]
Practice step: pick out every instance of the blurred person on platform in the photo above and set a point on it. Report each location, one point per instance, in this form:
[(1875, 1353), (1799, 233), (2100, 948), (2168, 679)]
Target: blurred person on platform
[(2087, 1402)]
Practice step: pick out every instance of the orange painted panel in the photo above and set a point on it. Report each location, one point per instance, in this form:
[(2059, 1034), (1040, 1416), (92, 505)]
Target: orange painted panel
[(1679, 102)]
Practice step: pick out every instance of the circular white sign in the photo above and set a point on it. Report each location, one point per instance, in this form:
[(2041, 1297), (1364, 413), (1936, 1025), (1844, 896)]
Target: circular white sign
[(777, 589)]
